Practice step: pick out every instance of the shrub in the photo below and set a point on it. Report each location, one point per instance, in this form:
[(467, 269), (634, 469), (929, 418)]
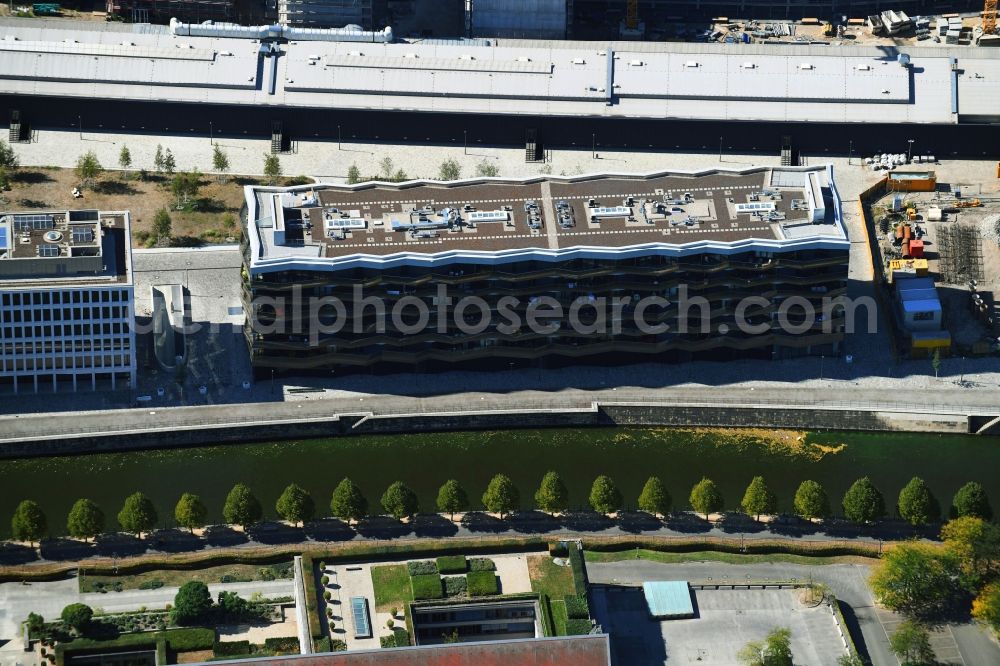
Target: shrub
[(399, 638), (327, 595), (482, 583), (228, 578), (482, 564), (559, 549), (325, 580), (288, 644), (185, 640), (579, 577), (329, 612), (577, 608), (321, 645), (578, 627), (455, 586), (77, 616), (337, 645), (452, 564), (426, 586), (231, 648), (422, 567), (191, 603), (150, 584)]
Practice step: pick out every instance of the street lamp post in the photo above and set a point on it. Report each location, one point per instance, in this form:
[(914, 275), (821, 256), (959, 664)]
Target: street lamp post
[(593, 145), (338, 137), (850, 152), (211, 133), (465, 142), (720, 148), (909, 152), (79, 122)]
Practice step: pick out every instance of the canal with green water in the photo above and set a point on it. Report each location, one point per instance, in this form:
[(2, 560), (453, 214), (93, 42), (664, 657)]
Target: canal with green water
[(424, 461)]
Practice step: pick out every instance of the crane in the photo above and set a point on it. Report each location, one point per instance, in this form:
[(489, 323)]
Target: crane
[(989, 17), (632, 13)]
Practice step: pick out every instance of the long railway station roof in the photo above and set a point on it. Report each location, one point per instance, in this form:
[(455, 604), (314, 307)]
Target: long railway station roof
[(615, 79), (500, 220)]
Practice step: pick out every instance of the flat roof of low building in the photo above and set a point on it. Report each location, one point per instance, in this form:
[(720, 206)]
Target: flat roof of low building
[(509, 77), (668, 599), (501, 219)]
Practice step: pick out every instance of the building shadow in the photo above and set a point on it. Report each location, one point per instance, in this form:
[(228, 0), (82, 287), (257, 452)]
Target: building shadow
[(175, 541), (433, 525), (688, 523), (854, 629), (273, 533), (383, 527), (223, 535), (635, 522), (636, 638), (329, 529), (15, 553)]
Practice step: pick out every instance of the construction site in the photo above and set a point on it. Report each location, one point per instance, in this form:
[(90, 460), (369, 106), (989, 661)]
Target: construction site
[(937, 261)]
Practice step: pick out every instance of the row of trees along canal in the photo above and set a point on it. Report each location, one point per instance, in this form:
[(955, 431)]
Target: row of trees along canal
[(862, 503)]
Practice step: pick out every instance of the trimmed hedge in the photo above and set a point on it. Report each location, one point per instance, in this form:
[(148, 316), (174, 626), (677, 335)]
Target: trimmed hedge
[(399, 638), (338, 645), (321, 645), (482, 583), (422, 567), (289, 644), (312, 600), (559, 618), (577, 608), (482, 564), (452, 564), (186, 640), (578, 627), (455, 586), (231, 648), (426, 586), (545, 604), (179, 640), (579, 574)]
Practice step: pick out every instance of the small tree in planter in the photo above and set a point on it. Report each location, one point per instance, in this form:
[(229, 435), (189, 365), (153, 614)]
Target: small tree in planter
[(390, 623), (324, 580), (327, 595), (392, 611)]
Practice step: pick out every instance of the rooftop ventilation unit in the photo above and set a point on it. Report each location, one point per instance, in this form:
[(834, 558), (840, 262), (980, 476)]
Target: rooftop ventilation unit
[(691, 63), (863, 68), (748, 65), (805, 65), (523, 59), (356, 54), (579, 61), (466, 56), (635, 63), (411, 55)]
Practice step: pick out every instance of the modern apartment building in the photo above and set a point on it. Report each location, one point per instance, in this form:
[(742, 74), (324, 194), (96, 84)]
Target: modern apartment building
[(66, 301), (495, 272)]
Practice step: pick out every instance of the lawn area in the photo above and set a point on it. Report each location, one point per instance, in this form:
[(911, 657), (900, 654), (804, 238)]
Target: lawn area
[(559, 616), (547, 578), (231, 573), (392, 586), (698, 556)]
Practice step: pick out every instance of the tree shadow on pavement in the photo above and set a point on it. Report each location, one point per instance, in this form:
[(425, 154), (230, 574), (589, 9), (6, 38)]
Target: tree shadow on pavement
[(118, 544), (688, 523), (733, 523), (433, 525), (792, 526), (223, 535), (476, 521), (383, 527), (273, 533), (329, 529), (635, 522), (15, 553), (67, 549), (175, 541), (586, 521), (533, 522)]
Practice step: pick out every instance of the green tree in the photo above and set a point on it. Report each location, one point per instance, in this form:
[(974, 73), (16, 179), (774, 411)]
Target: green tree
[(347, 502), (77, 616), (705, 498), (604, 495), (190, 511), (654, 497), (916, 579), (138, 515), (936, 361), (353, 174), (86, 520), (450, 170), (169, 163), (775, 650), (976, 545), (125, 160), (501, 496), (162, 224), (35, 624), (386, 166), (295, 505), (158, 159), (241, 507), (192, 603), (759, 499), (912, 644), (971, 500), (220, 162), (87, 167), (451, 498), (916, 504), (811, 500), (8, 158), (986, 606), (487, 169), (863, 503), (272, 167), (399, 501), (185, 186), (552, 495), (399, 176), (4, 179), (29, 522), (850, 660)]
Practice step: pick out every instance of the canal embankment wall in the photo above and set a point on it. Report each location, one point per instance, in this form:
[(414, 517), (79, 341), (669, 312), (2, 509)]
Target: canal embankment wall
[(184, 433)]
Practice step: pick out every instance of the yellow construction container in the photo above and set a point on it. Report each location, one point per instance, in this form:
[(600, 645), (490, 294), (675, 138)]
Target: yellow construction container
[(911, 213), (917, 267)]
